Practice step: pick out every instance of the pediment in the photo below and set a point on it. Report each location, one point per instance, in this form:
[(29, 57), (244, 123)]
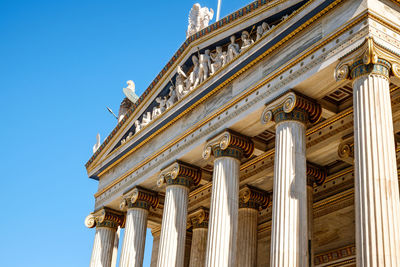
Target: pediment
[(126, 136)]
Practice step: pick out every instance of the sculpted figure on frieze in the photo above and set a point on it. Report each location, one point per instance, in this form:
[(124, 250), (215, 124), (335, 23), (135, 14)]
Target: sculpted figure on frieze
[(233, 49), (172, 97), (246, 40), (158, 110), (138, 126), (193, 79), (218, 58), (146, 119), (204, 65)]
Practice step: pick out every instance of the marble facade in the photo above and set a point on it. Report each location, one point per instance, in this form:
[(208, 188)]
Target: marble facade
[(285, 155)]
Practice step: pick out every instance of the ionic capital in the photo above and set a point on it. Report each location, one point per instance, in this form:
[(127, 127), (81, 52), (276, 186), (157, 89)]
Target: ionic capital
[(105, 217), (180, 173), (368, 58), (315, 174), (198, 218), (140, 198), (229, 144), (253, 198), (292, 106), (346, 150)]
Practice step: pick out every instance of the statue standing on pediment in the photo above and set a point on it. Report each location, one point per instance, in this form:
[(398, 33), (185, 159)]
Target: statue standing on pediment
[(199, 18), (146, 119), (246, 40), (158, 110), (181, 91), (233, 49), (204, 66), (138, 126), (193, 79), (218, 58), (172, 97), (260, 32)]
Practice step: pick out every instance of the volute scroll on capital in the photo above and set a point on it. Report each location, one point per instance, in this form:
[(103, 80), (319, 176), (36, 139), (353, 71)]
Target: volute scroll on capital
[(180, 173), (140, 198), (251, 197), (198, 218), (105, 217), (292, 106), (369, 58), (315, 174), (229, 143)]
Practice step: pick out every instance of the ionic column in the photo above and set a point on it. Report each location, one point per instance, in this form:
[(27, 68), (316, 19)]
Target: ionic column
[(154, 250), (251, 201), (106, 222), (178, 177), (137, 202), (315, 175), (228, 148), (289, 233), (199, 222), (376, 185)]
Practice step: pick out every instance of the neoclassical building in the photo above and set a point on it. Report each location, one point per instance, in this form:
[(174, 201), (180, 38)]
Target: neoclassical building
[(269, 139)]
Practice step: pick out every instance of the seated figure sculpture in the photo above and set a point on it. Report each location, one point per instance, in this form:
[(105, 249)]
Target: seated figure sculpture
[(218, 58), (246, 40)]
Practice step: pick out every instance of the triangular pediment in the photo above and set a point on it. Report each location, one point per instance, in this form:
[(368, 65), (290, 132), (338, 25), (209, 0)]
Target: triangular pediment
[(183, 75)]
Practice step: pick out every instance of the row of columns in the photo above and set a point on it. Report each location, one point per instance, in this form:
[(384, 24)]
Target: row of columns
[(376, 188)]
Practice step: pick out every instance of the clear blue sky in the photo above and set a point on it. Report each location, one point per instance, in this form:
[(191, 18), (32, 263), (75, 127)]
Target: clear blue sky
[(61, 64)]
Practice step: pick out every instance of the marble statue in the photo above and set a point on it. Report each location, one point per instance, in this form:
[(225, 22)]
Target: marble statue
[(158, 110), (138, 126), (284, 17), (129, 91), (204, 66), (172, 97), (146, 119), (266, 27), (233, 49), (181, 91), (259, 32), (218, 58), (97, 145), (246, 40), (199, 17), (193, 79)]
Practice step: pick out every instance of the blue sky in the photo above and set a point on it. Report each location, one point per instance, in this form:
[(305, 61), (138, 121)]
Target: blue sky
[(61, 64)]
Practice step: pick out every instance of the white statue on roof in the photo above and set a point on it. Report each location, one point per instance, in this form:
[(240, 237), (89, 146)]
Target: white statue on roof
[(199, 17), (129, 91)]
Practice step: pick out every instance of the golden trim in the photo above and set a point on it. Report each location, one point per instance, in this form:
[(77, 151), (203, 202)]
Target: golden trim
[(341, 196), (243, 96), (182, 56)]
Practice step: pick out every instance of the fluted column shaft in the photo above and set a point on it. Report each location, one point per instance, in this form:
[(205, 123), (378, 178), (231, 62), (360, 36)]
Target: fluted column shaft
[(134, 238), (247, 237), (198, 249), (173, 229), (222, 234), (103, 247), (376, 185), (154, 250), (289, 236)]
